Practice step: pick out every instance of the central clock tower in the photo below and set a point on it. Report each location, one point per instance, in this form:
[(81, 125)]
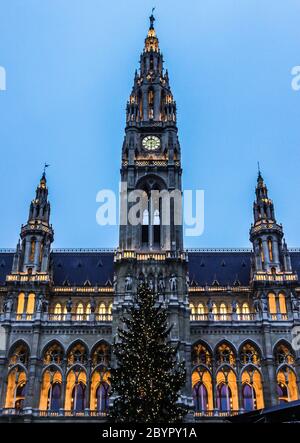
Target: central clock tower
[(151, 249)]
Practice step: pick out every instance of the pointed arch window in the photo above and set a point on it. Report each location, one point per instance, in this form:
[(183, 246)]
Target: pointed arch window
[(193, 310), (145, 227), (30, 305), (282, 393), (224, 397), (88, 311), (150, 104), (201, 311), (249, 397), (156, 227), (201, 355), (245, 311), (54, 395), (223, 311), (57, 309), (79, 312), (200, 395), (215, 311), (282, 305), (20, 395), (102, 397), (32, 249), (78, 397), (21, 305), (261, 251), (102, 312), (272, 305)]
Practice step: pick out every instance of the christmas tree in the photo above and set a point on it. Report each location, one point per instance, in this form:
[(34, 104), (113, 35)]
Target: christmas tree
[(148, 378)]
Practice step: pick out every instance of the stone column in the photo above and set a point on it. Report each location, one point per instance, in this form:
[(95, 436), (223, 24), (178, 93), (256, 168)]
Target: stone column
[(268, 370)]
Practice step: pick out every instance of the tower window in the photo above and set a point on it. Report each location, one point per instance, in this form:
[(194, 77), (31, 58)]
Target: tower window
[(270, 247), (156, 227), (145, 227), (32, 249)]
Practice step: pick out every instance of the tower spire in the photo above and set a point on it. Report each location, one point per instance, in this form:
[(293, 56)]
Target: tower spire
[(37, 234)]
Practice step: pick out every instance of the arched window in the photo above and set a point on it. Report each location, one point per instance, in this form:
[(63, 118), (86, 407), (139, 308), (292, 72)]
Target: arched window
[(200, 396), (225, 354), (272, 305), (215, 310), (101, 355), (223, 311), (102, 397), (21, 303), (270, 248), (224, 397), (284, 354), (193, 310), (79, 311), (287, 389), (30, 305), (20, 354), (53, 354), (282, 393), (57, 309), (156, 227), (109, 311), (249, 354), (156, 217), (32, 250), (54, 395), (51, 388), (102, 312), (88, 310), (261, 251), (150, 103), (249, 397), (282, 305), (77, 354), (16, 389), (201, 310), (201, 355), (20, 395), (252, 390), (202, 390), (78, 397), (145, 227), (245, 311)]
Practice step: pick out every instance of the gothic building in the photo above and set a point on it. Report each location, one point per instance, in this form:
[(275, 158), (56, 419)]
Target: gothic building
[(232, 310)]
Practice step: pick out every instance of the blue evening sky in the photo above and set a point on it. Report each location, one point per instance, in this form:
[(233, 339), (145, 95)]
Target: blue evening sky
[(70, 67)]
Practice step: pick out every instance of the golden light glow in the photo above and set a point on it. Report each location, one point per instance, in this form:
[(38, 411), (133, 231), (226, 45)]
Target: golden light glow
[(272, 303), (287, 378), (21, 303), (30, 303), (15, 382)]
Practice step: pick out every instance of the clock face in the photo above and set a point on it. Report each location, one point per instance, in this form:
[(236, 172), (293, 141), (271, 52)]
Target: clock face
[(151, 142)]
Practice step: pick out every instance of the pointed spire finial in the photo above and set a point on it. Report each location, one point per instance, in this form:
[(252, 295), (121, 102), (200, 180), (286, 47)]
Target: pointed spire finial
[(43, 179), (259, 178)]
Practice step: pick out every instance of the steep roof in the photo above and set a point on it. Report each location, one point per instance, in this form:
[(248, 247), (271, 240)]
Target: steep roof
[(76, 267)]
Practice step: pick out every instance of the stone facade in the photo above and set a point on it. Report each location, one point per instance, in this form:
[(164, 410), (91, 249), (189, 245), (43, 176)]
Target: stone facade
[(232, 311)]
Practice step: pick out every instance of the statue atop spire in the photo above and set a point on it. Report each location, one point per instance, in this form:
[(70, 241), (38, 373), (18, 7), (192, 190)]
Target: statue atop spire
[(152, 19)]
